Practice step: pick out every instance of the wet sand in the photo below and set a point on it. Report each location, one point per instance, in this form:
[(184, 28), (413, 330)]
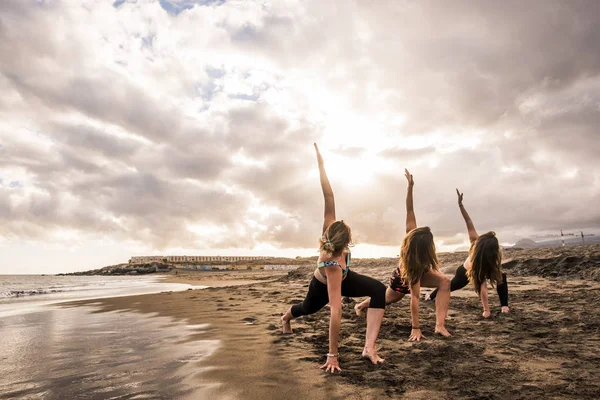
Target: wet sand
[(247, 365), (547, 347)]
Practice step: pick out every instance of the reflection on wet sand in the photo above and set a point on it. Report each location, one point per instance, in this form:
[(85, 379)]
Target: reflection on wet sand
[(73, 353)]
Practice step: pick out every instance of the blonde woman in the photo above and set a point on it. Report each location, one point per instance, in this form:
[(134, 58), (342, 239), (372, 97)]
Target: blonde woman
[(483, 264), (333, 279), (418, 267)]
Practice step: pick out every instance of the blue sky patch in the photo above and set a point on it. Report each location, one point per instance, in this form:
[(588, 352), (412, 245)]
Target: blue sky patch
[(243, 96), (148, 41), (175, 7), (215, 73), (206, 92)]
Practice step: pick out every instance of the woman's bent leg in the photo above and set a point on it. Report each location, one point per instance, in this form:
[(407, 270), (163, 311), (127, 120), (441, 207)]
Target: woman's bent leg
[(316, 298), (356, 285), (374, 319), (459, 281), (442, 301)]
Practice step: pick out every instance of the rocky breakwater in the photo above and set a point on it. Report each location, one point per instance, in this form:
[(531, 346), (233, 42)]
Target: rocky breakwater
[(128, 269)]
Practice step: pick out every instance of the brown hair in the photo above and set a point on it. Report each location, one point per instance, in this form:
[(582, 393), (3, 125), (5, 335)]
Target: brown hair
[(417, 254), (336, 238), (486, 261)]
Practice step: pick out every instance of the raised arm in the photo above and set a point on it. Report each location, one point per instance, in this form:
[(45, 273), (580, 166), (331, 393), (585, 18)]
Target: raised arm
[(411, 219), (329, 217), (470, 227)]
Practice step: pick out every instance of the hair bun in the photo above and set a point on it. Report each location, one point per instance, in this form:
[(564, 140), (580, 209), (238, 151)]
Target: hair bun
[(329, 247)]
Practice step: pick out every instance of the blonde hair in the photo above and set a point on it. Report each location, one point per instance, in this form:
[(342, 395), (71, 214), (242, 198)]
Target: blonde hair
[(486, 261), (336, 238), (417, 254)]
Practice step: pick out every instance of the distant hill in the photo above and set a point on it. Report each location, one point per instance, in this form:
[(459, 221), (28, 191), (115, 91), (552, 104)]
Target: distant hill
[(569, 241), (462, 248), (526, 244), (532, 244)]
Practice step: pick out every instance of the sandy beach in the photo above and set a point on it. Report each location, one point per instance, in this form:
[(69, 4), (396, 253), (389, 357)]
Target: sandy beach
[(173, 171), (547, 347)]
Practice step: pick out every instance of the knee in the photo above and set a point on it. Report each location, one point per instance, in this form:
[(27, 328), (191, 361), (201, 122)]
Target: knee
[(296, 311), (300, 310), (378, 296), (445, 284)]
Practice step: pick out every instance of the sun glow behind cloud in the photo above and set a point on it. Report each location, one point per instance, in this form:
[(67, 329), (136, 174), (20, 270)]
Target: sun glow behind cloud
[(187, 126)]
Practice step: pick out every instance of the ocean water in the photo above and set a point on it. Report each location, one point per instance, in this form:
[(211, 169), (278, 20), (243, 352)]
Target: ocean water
[(48, 351), (21, 294)]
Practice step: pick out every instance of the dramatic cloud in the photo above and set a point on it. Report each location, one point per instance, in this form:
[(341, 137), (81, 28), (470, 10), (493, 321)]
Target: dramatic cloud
[(187, 125)]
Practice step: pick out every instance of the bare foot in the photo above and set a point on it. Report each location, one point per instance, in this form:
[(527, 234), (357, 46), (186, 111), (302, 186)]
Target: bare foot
[(442, 331), (286, 326), (505, 309), (372, 356), (359, 311)]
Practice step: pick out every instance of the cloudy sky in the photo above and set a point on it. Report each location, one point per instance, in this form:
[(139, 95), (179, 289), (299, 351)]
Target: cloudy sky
[(136, 127)]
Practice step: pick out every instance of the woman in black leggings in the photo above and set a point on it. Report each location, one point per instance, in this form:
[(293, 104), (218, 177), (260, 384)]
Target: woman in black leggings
[(333, 279), (483, 264)]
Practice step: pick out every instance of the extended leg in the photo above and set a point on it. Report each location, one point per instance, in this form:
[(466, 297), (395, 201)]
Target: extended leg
[(502, 289), (391, 296), (316, 298)]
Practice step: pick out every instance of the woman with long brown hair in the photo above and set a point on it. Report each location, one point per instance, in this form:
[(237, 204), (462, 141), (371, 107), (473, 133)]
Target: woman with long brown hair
[(333, 279), (483, 264), (418, 267)]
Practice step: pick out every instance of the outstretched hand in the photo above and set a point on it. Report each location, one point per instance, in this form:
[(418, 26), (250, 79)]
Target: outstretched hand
[(319, 157), (460, 197), (409, 177)]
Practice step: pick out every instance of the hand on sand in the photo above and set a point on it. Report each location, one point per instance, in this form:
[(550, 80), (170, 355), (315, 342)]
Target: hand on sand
[(372, 356), (505, 309), (486, 314), (359, 311), (409, 177), (319, 157), (286, 326), (442, 331), (416, 335), (331, 364)]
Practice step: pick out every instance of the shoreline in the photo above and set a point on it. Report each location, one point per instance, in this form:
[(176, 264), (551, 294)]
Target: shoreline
[(216, 279)]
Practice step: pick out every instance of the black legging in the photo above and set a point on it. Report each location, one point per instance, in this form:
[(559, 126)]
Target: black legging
[(355, 285), (460, 280)]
